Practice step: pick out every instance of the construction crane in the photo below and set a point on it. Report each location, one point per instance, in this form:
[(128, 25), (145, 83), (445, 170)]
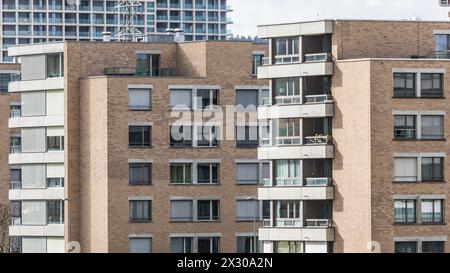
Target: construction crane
[(126, 11)]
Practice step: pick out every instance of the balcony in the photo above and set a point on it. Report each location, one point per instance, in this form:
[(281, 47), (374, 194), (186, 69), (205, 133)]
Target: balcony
[(317, 181), (296, 234), (295, 192), (300, 152), (36, 194), (29, 158), (15, 185), (318, 140), (15, 113), (16, 221), (289, 66), (310, 110), (132, 71), (47, 230)]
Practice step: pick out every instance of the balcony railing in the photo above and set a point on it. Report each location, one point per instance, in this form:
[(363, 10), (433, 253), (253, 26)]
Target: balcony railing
[(16, 221), (288, 222), (318, 223), (287, 59), (317, 58), (317, 181), (15, 149), (318, 140), (288, 181), (267, 223), (132, 71), (288, 99), (15, 185), (266, 182), (318, 98), (294, 140)]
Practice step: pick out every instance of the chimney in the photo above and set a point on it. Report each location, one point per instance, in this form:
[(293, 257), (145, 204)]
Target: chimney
[(179, 35), (106, 36)]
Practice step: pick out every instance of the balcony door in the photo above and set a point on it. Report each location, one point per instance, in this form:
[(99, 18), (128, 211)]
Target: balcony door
[(147, 64)]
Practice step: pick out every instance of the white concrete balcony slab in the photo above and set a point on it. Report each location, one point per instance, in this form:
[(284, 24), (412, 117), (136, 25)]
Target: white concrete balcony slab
[(295, 29), (295, 70), (36, 85), (296, 193), (313, 110), (37, 194), (47, 230), (29, 158), (296, 234), (44, 121), (297, 152)]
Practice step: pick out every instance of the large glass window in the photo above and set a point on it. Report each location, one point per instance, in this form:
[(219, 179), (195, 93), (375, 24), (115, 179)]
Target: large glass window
[(55, 212), (147, 64), (405, 247), (208, 173), (247, 136), (432, 169), (432, 211), (433, 247), (55, 65), (207, 136), (287, 90), (139, 211), (287, 173), (432, 85), (247, 210), (207, 98), (404, 127), (181, 245), (140, 173), (247, 244), (208, 244), (286, 46), (247, 98), (55, 143), (139, 136), (433, 127), (208, 210), (288, 131), (181, 173), (442, 43), (405, 211), (5, 79), (404, 85)]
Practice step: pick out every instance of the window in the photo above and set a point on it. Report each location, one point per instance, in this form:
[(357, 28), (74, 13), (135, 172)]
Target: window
[(405, 211), (55, 65), (180, 136), (55, 212), (140, 211), (247, 136), (181, 98), (288, 131), (265, 97), (287, 173), (33, 103), (208, 210), (207, 98), (207, 136), (404, 85), (405, 247), (246, 244), (404, 127), (433, 247), (286, 46), (247, 210), (247, 173), (256, 62), (140, 173), (247, 98), (14, 145), (288, 209), (5, 79), (181, 210), (140, 245), (442, 45), (433, 127), (55, 143), (181, 173), (139, 99), (139, 136), (405, 169), (208, 244), (15, 177), (208, 173), (181, 245), (432, 211), (432, 169), (289, 247), (147, 64), (287, 90), (431, 85)]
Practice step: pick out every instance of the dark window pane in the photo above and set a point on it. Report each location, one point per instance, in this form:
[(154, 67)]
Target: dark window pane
[(433, 247), (405, 247)]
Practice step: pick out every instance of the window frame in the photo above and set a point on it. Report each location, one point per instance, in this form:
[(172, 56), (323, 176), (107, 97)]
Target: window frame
[(433, 137), (433, 213), (405, 92), (211, 180), (433, 92), (404, 208), (185, 171), (142, 182), (142, 219), (212, 217), (144, 144), (405, 128), (440, 178), (140, 108)]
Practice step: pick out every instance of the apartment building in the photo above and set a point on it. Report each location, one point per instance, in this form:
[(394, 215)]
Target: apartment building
[(40, 21), (356, 131), (100, 166)]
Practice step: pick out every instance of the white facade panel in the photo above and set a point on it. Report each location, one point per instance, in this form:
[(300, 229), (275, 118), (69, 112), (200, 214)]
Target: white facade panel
[(300, 152), (296, 193)]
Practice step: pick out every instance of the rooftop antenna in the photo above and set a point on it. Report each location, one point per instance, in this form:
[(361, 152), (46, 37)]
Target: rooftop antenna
[(126, 10)]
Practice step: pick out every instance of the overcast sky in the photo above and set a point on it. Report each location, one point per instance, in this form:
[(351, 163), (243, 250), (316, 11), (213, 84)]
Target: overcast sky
[(248, 14)]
